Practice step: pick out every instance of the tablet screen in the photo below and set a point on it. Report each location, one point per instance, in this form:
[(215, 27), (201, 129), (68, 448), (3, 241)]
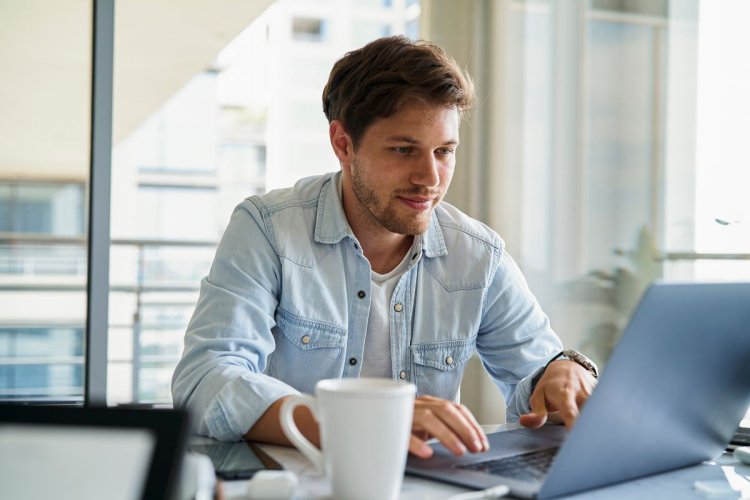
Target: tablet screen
[(74, 462), (235, 460)]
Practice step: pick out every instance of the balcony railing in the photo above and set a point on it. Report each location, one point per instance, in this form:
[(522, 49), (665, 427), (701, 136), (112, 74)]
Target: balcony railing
[(150, 277), (153, 288)]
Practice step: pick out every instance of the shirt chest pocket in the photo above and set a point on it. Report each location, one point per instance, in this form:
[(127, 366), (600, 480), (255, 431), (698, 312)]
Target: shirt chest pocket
[(438, 367), (306, 351)]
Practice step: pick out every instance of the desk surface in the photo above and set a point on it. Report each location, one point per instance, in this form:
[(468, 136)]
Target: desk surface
[(725, 471)]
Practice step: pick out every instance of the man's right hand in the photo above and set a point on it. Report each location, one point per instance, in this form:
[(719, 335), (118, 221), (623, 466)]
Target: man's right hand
[(450, 423)]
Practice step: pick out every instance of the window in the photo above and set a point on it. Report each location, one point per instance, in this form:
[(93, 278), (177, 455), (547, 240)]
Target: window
[(44, 171), (626, 136), (374, 3), (42, 208), (168, 212), (41, 364), (46, 210), (308, 29), (240, 114), (364, 31)]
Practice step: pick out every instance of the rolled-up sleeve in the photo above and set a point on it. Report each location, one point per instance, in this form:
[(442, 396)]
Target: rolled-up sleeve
[(515, 339), (220, 377)]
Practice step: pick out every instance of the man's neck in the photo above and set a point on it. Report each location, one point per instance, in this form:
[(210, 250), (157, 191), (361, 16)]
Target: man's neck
[(385, 252), (384, 249)]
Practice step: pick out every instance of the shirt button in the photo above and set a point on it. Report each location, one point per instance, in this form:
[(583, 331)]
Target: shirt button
[(305, 339), (352, 361), (361, 294), (402, 375), (414, 256), (449, 360), (398, 308)]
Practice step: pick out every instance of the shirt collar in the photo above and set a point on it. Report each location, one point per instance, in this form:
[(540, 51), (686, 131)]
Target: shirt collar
[(331, 225)]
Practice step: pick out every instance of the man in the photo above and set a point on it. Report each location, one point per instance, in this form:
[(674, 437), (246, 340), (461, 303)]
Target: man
[(366, 272)]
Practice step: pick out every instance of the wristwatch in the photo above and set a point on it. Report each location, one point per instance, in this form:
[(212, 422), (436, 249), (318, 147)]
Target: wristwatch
[(580, 359), (571, 355)]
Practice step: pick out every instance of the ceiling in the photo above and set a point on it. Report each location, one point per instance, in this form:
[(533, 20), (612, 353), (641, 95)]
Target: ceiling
[(45, 61)]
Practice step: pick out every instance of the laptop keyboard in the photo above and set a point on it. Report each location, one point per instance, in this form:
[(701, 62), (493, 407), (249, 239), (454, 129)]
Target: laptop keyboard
[(526, 467)]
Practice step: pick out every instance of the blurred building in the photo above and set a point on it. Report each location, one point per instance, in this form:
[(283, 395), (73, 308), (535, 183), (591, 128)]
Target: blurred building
[(185, 152)]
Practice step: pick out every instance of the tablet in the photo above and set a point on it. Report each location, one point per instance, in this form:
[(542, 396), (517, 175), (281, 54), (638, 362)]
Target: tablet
[(236, 459)]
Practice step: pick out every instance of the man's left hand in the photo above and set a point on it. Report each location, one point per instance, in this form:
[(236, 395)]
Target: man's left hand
[(563, 389)]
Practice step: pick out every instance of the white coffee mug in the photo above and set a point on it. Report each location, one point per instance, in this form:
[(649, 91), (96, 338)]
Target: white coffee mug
[(365, 425)]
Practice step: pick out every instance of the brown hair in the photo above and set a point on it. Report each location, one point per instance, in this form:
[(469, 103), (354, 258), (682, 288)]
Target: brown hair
[(372, 82)]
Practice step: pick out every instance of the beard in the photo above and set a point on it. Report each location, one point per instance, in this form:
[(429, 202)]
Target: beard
[(383, 211)]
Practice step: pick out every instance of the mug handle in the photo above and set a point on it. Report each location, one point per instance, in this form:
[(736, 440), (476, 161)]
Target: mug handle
[(293, 433)]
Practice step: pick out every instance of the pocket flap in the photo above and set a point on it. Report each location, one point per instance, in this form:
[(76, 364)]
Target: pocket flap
[(308, 334), (444, 355)]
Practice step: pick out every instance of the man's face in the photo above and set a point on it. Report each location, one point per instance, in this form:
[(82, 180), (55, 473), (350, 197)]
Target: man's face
[(402, 168)]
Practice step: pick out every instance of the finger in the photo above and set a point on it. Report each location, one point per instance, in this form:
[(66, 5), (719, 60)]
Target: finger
[(590, 384), (427, 399), (532, 420), (485, 444), (569, 413), (538, 415), (423, 435), (568, 407), (538, 402), (419, 448), (460, 420), (583, 396), (426, 420)]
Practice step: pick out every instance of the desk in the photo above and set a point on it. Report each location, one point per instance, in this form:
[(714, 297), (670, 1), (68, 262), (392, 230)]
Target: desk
[(670, 485)]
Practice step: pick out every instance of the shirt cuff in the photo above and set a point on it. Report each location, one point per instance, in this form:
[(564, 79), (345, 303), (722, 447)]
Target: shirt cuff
[(520, 403), (240, 404)]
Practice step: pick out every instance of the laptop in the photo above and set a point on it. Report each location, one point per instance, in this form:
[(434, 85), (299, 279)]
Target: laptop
[(672, 394), (90, 453)]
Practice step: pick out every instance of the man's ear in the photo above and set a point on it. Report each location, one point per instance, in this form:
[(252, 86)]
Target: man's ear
[(341, 142)]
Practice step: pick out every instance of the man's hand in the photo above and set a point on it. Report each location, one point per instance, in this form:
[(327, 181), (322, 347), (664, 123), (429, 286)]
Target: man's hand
[(451, 423), (564, 388)]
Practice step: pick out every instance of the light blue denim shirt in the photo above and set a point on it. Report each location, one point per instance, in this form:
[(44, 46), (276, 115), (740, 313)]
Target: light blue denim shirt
[(286, 304)]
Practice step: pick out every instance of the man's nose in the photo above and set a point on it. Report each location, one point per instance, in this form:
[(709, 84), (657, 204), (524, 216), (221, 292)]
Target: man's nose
[(426, 172)]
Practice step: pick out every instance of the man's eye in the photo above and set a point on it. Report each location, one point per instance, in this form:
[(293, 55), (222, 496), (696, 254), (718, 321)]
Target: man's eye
[(403, 150), (445, 151)]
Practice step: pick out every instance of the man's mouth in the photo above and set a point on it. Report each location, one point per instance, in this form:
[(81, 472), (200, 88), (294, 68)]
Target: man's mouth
[(417, 202)]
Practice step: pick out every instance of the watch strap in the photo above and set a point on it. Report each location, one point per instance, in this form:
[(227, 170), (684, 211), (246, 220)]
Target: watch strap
[(582, 360), (570, 355)]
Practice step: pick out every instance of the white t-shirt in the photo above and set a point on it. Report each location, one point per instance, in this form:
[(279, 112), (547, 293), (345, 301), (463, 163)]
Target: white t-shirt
[(377, 356)]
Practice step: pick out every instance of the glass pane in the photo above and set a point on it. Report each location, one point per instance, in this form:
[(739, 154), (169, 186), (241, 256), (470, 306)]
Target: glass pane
[(659, 184), (45, 53), (41, 364), (309, 29), (639, 7), (236, 112), (621, 133), (365, 31), (723, 110)]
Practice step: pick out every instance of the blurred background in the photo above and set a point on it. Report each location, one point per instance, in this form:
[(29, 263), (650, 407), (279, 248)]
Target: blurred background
[(608, 148)]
